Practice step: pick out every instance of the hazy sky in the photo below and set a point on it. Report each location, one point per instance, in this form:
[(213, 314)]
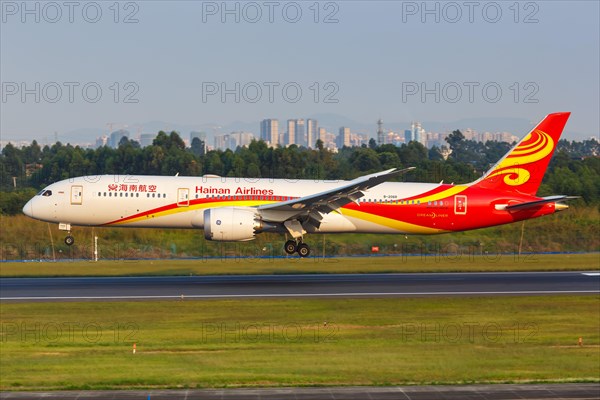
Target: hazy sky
[(171, 61)]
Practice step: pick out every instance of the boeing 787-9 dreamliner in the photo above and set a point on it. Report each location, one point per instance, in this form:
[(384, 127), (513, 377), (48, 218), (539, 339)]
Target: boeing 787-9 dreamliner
[(237, 209)]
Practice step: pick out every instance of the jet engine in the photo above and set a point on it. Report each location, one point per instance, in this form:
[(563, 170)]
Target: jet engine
[(231, 224)]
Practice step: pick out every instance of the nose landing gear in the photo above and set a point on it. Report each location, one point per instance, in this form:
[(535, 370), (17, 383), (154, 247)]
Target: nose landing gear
[(69, 240)]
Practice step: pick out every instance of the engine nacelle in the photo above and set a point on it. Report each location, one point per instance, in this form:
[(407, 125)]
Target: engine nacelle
[(230, 224)]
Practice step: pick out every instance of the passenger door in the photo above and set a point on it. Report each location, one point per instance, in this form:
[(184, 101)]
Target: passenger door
[(76, 195), (183, 197)]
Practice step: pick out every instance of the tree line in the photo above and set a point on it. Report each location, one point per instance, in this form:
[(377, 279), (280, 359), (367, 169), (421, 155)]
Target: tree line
[(574, 170)]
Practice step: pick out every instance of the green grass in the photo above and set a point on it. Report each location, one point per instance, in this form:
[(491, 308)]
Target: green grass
[(282, 342), (295, 265), (574, 230)]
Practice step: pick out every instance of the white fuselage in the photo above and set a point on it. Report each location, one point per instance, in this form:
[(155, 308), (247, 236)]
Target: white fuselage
[(179, 202)]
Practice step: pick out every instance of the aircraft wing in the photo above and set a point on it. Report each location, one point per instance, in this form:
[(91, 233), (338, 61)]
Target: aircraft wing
[(311, 208)]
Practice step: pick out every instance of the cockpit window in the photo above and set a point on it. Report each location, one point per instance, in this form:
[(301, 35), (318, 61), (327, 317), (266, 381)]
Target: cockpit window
[(41, 192), (47, 193)]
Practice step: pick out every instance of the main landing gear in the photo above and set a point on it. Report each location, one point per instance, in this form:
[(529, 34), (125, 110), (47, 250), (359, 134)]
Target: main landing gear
[(296, 245), (291, 247)]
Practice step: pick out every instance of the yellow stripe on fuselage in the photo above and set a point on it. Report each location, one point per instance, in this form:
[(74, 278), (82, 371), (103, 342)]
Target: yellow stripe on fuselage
[(398, 225), (443, 194), (175, 210)]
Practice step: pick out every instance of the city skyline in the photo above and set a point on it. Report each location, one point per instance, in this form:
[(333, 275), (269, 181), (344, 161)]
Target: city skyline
[(269, 128), (144, 131)]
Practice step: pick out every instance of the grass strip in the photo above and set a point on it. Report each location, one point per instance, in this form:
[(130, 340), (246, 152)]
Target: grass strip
[(295, 265), (283, 342)]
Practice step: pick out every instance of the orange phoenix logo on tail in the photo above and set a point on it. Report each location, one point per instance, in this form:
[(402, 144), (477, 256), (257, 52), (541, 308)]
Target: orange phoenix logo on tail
[(523, 168), (535, 147)]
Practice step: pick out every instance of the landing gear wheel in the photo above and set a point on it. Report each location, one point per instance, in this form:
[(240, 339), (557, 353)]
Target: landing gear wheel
[(303, 250), (290, 247), (69, 240)]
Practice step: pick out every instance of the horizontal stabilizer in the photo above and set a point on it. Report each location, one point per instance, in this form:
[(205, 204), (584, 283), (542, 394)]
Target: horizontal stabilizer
[(545, 200)]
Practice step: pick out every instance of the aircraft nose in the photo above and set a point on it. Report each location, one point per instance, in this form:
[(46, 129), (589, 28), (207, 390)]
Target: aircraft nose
[(28, 208)]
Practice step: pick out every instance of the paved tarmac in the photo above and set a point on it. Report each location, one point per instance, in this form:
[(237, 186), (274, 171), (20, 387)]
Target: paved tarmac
[(480, 392), (316, 285)]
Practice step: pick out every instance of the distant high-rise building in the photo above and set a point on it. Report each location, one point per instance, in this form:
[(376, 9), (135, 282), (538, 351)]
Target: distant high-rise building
[(358, 139), (380, 134), (221, 142), (415, 134), (323, 135), (311, 132), (416, 131), (469, 134), (233, 140), (343, 138), (101, 141), (269, 131), (291, 132), (241, 139), (116, 137), (301, 133)]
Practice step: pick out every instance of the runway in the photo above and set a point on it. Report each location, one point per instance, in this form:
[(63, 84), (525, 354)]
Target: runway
[(301, 286), (483, 392)]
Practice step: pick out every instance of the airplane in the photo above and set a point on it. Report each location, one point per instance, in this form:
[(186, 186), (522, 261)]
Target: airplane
[(237, 209)]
